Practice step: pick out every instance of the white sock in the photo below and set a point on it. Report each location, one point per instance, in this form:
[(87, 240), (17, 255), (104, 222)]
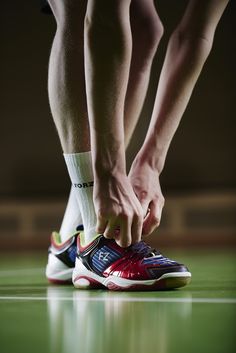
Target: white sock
[(72, 217), (81, 174)]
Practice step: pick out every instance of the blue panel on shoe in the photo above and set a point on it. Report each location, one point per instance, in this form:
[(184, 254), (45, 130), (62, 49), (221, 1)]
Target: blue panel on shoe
[(72, 251), (104, 257)]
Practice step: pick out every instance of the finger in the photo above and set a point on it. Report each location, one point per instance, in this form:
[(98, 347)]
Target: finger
[(136, 229), (147, 214), (110, 231), (145, 204), (153, 219), (124, 239), (101, 224)]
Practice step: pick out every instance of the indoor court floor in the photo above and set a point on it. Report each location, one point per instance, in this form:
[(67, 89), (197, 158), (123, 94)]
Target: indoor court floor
[(39, 318)]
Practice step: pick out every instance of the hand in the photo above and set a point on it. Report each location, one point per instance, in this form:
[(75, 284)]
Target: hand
[(119, 213), (146, 185)]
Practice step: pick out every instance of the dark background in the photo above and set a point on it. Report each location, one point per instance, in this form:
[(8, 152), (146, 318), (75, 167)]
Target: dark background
[(202, 154)]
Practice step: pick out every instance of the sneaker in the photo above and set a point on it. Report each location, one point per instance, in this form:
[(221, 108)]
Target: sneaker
[(61, 258), (103, 263)]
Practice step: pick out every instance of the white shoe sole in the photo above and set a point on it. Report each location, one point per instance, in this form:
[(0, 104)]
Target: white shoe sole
[(84, 279)]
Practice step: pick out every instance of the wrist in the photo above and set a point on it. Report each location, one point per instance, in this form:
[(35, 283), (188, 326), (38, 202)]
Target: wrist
[(152, 155), (108, 155), (107, 170)]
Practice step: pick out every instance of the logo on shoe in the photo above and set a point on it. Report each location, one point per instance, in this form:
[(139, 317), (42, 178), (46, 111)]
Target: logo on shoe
[(83, 185), (103, 256)]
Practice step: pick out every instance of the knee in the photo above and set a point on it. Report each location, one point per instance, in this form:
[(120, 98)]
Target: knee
[(69, 14), (147, 32), (155, 31)]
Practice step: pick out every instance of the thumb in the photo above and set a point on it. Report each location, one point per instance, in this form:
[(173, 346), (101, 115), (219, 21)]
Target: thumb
[(153, 219), (145, 206)]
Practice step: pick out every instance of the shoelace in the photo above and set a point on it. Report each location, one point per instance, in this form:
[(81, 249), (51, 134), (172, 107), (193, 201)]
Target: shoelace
[(144, 249)]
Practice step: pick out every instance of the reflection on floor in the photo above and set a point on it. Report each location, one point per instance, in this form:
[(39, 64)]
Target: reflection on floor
[(36, 317), (113, 323)]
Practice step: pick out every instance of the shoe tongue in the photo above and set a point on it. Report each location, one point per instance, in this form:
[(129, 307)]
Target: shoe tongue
[(142, 248), (145, 249)]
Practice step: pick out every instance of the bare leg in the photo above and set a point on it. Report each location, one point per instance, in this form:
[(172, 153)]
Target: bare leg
[(147, 31), (66, 83), (69, 109)]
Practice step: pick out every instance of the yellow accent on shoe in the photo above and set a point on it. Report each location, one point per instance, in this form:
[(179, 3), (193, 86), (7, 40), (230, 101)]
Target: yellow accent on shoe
[(82, 239), (57, 237)]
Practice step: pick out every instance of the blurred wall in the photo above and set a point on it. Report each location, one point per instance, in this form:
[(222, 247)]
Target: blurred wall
[(202, 155)]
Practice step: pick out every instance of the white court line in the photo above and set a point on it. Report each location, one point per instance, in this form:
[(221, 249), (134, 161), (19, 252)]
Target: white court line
[(126, 299), (22, 271)]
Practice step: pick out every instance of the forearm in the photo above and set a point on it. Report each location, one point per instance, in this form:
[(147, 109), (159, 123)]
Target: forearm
[(188, 49), (183, 64), (107, 61)]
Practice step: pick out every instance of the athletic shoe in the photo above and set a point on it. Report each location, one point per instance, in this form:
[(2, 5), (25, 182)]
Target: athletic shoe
[(103, 263), (61, 258)]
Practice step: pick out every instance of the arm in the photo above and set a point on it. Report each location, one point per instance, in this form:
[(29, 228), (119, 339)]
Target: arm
[(188, 49), (107, 63)]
